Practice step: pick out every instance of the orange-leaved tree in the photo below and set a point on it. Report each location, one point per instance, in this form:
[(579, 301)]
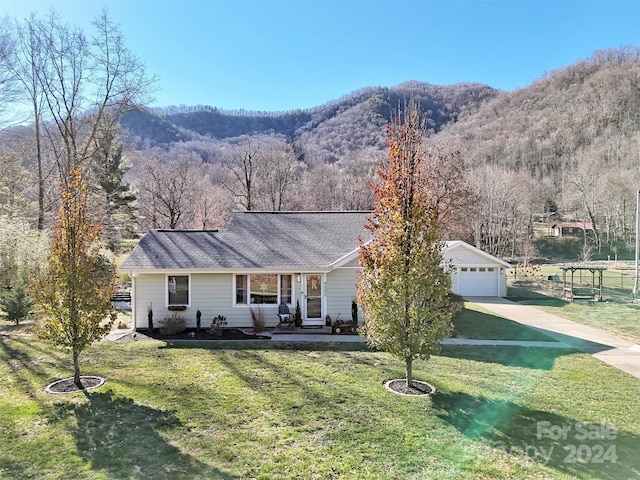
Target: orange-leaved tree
[(73, 298), (403, 287)]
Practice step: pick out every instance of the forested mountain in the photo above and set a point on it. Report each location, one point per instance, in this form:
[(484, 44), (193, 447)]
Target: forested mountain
[(372, 106), (569, 143), (571, 140), (567, 146), (329, 132)]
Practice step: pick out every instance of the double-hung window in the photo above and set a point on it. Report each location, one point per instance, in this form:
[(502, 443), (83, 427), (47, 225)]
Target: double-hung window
[(263, 289)]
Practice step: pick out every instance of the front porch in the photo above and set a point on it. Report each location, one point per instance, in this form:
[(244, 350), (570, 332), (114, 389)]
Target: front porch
[(292, 330)]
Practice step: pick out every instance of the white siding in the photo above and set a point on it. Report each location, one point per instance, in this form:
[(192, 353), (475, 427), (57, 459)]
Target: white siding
[(461, 257), (149, 293), (462, 282), (211, 293), (341, 291), (475, 283), (353, 263)]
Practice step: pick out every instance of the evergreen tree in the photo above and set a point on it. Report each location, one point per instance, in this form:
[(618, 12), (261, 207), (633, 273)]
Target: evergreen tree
[(118, 201), (17, 302)]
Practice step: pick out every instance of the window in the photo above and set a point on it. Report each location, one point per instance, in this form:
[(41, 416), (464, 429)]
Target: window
[(285, 288), (178, 290), (241, 289), (472, 269), (491, 269), (463, 269), (263, 289), (481, 269)]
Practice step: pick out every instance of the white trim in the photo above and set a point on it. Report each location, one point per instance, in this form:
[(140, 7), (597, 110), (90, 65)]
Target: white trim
[(279, 275), (323, 299), (450, 245), (227, 271), (166, 289), (348, 257), (134, 317), (345, 259)]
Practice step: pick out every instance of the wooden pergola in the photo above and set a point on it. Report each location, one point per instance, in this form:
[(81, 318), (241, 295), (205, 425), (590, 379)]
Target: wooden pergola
[(576, 293)]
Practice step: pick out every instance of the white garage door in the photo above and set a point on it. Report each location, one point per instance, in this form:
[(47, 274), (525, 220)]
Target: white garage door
[(478, 281)]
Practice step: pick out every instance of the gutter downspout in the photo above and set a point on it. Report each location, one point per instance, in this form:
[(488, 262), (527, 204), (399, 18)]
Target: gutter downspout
[(133, 302)]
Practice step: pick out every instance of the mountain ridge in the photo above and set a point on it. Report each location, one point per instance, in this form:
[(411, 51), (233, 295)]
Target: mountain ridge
[(165, 125)]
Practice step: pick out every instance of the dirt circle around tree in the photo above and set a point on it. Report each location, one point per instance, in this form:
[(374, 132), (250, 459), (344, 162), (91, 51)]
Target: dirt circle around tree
[(399, 387), (67, 385)]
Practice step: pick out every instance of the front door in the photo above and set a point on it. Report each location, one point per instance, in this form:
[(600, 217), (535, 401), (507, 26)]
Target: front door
[(313, 300)]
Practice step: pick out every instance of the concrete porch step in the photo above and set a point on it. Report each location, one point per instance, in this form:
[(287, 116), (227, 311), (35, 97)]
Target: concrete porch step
[(286, 330)]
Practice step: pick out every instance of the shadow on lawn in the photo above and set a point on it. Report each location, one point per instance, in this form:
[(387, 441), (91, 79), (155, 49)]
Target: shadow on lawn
[(29, 362), (511, 356), (124, 439), (269, 345), (584, 448), (480, 325)]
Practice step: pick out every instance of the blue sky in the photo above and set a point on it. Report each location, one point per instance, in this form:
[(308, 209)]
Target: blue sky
[(277, 55)]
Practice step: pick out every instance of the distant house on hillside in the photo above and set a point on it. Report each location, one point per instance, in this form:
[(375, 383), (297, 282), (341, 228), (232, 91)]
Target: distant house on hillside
[(571, 229)]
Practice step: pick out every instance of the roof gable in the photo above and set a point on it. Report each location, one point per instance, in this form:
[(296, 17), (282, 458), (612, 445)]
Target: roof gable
[(449, 253)]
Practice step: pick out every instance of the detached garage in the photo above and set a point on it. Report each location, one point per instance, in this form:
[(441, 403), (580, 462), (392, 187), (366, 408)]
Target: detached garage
[(475, 273)]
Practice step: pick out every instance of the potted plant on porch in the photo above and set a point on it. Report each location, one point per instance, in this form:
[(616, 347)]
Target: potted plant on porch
[(297, 316)]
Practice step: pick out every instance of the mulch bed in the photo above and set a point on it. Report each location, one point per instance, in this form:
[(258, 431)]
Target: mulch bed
[(191, 334), (68, 385), (419, 388)]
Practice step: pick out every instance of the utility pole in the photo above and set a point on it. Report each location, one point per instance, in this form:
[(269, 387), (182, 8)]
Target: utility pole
[(635, 282)]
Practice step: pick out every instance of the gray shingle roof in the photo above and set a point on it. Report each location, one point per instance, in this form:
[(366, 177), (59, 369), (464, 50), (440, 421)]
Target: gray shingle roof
[(276, 240)]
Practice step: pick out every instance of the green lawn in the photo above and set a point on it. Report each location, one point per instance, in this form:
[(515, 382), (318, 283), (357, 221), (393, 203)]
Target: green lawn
[(619, 317), (477, 323), (259, 410), (622, 319), (617, 314)]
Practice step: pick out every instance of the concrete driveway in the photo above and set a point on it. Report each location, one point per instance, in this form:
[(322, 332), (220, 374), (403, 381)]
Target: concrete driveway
[(615, 351)]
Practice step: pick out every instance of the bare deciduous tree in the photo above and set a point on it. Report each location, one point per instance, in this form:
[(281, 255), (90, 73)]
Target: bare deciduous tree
[(212, 204), (80, 80), (448, 190), (278, 162), (73, 82), (169, 190), (496, 215), (243, 166), (24, 64), (8, 82)]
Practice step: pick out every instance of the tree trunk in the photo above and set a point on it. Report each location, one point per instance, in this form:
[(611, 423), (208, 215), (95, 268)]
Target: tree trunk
[(596, 234), (40, 172), (409, 362), (76, 370)]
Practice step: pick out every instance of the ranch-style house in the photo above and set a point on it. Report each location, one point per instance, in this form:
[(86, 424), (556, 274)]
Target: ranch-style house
[(263, 259)]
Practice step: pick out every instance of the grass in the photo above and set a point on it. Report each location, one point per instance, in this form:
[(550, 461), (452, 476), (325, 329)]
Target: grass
[(617, 318), (615, 315), (269, 411), (478, 323)]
